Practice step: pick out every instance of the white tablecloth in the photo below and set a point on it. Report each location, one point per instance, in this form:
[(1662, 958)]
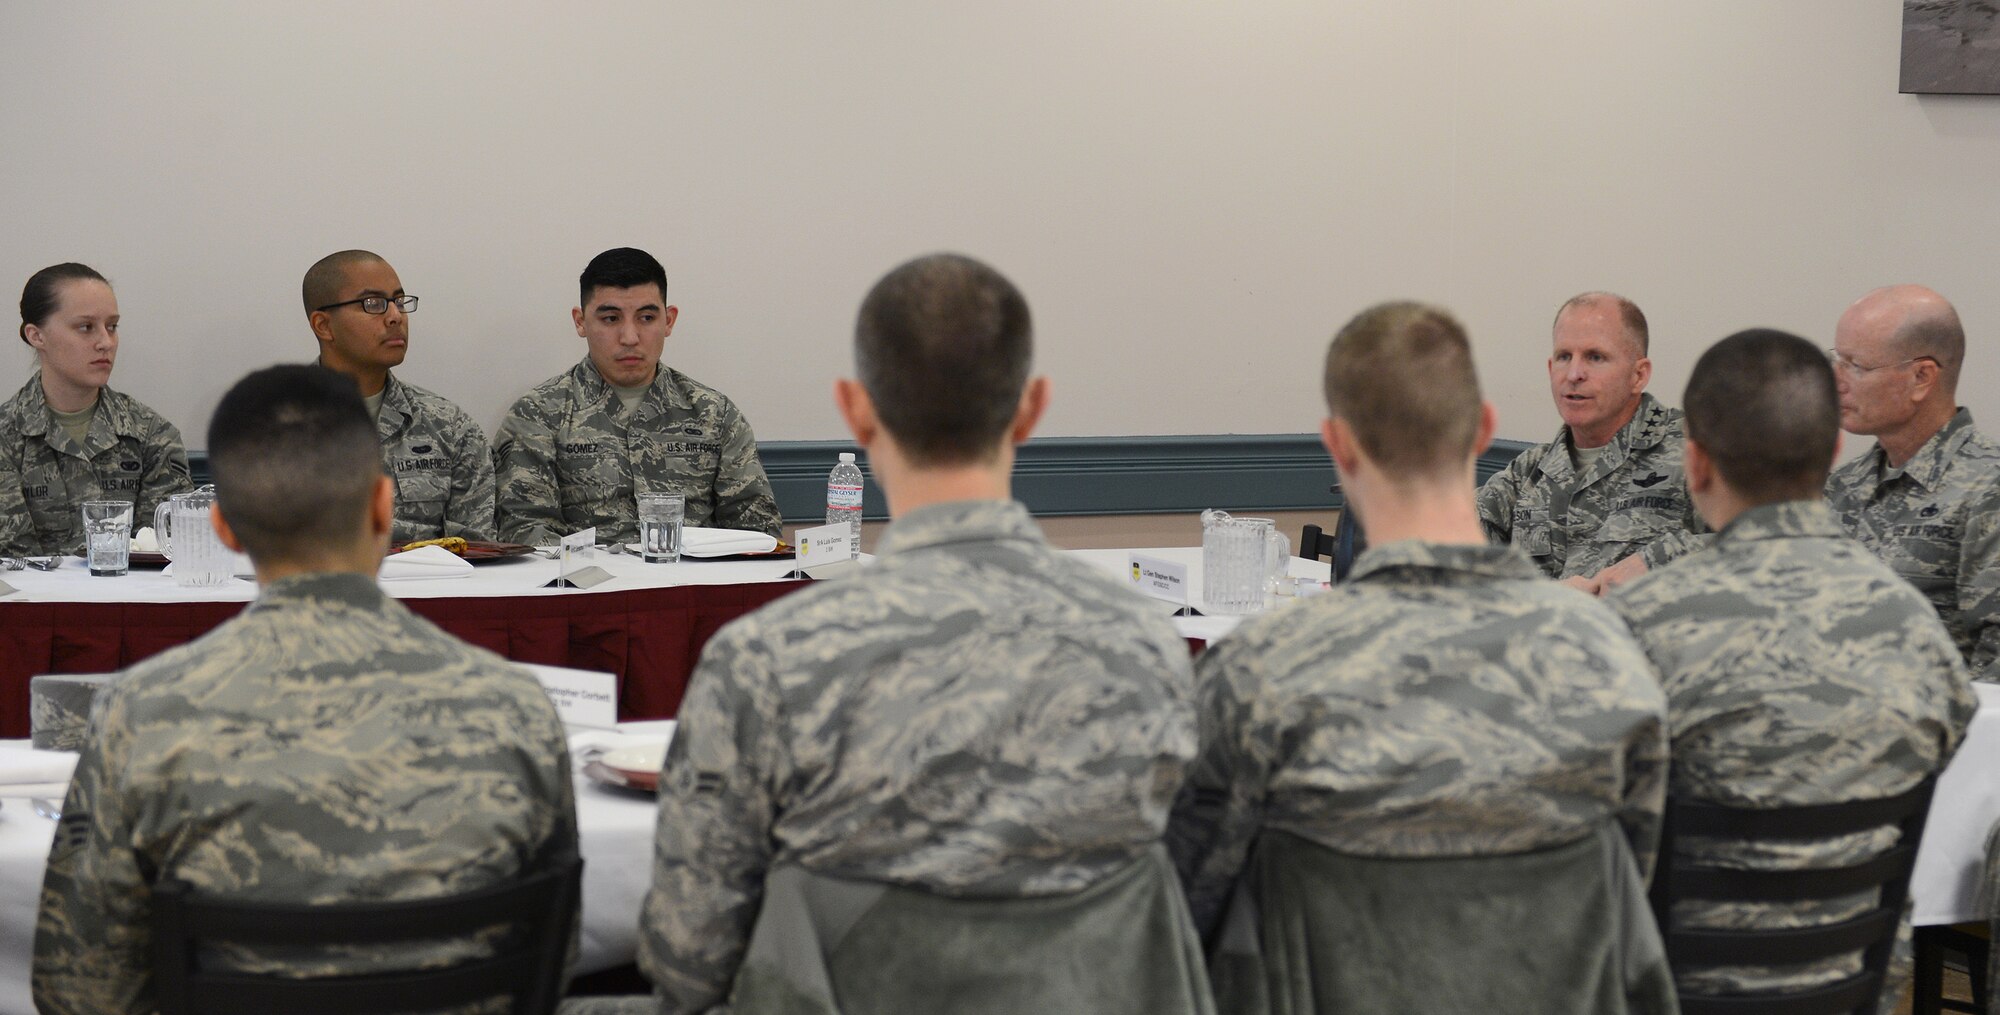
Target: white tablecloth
[(515, 576)]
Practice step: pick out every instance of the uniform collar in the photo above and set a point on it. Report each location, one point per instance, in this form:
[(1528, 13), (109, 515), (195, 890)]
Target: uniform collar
[(113, 418), (359, 591), (1650, 424), (1791, 519), (1926, 468), (669, 386), (1506, 562), (395, 399), (961, 521)]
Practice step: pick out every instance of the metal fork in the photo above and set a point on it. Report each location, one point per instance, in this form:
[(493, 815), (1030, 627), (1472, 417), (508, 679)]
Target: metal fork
[(42, 563), (46, 809)]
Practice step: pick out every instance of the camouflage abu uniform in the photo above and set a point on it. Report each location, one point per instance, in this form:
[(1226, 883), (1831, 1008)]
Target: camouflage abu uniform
[(1446, 701), (325, 745), (130, 454), (1936, 522), (570, 456), (975, 715), (441, 464), (1631, 499), (1798, 670)]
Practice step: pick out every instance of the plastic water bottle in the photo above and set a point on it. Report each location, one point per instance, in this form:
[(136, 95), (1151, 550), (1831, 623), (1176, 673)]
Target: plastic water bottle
[(843, 500)]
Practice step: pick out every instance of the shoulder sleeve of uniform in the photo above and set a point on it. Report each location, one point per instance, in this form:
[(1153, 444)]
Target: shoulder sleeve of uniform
[(527, 505), (717, 808), (1220, 807), (165, 466), (92, 934), (743, 497), (1501, 491)]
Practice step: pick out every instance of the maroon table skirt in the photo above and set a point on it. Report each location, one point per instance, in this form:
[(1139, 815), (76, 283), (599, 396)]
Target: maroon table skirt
[(649, 638)]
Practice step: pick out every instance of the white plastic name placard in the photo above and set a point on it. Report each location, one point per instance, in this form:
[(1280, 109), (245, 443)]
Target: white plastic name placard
[(570, 569), (581, 697), (1161, 579), (822, 544)]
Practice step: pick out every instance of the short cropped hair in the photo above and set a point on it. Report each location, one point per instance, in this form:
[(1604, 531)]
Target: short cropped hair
[(295, 460), (943, 345), (1762, 404), (1935, 332), (620, 268), (1401, 375), (43, 293), (328, 276), (1628, 311)]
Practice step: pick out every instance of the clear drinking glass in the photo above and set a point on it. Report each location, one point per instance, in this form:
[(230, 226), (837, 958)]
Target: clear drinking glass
[(107, 530), (660, 526)]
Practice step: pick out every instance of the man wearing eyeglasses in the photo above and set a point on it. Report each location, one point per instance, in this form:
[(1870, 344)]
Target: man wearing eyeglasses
[(437, 456), (1927, 496)]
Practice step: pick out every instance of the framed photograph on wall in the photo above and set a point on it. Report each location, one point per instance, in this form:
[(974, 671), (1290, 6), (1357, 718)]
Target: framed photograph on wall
[(1951, 47)]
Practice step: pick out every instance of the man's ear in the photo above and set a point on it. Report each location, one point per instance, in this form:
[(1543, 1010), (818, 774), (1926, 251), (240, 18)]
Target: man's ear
[(222, 529), (1340, 444), (576, 318), (1643, 371), (1034, 402), (1925, 380), (669, 316), (321, 323), (382, 508), (857, 410), (1698, 467), (1489, 424)]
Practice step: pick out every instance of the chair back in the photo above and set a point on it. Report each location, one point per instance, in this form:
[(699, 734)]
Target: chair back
[(1558, 931), (1341, 546), (528, 922), (832, 946), (1872, 932)]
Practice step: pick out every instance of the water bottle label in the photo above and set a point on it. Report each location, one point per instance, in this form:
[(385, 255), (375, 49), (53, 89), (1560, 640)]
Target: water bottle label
[(843, 498)]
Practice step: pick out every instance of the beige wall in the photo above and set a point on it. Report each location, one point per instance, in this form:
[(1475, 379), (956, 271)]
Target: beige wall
[(1192, 195)]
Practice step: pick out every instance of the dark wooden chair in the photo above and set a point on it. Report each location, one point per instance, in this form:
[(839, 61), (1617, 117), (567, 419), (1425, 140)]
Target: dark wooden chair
[(1873, 932), (1340, 546), (537, 911), (1974, 942)]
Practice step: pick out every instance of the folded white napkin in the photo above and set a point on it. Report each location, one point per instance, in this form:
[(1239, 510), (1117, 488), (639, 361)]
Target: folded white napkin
[(423, 562), (32, 767), (697, 541)]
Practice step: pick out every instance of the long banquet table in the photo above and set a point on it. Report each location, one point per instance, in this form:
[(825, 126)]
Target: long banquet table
[(646, 626)]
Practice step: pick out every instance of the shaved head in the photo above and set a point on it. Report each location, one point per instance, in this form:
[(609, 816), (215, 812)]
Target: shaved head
[(328, 274), (1762, 404), (1919, 324)]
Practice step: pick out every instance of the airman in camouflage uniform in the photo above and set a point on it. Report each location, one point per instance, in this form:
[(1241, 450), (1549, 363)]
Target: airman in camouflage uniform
[(1446, 701), (1926, 497), (1604, 501), (976, 714), (435, 453), (570, 457), (325, 745), (441, 463), (130, 454), (1630, 500), (1936, 522), (1799, 670)]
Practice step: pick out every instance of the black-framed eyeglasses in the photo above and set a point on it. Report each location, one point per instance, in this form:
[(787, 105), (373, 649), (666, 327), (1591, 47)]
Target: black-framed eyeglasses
[(377, 304)]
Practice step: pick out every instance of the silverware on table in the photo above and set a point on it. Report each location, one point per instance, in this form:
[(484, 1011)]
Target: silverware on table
[(42, 563), (46, 809)]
